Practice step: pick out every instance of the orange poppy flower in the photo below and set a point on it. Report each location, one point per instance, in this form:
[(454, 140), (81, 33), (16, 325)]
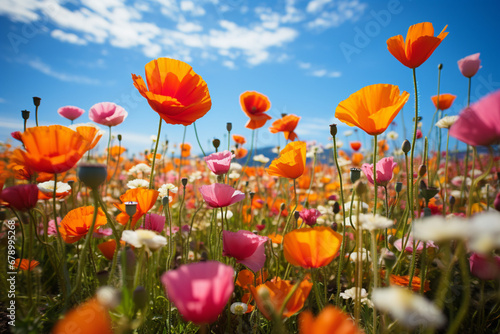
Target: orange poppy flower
[(90, 317), (355, 145), (185, 150), (240, 153), (311, 247), (405, 280), (175, 91), (277, 290), (239, 139), (145, 198), (246, 278), (90, 133), (26, 264), (276, 238), (108, 248), (76, 224), (255, 105), (372, 108), (330, 320), (52, 149), (291, 163), (382, 146), (419, 46), (116, 150), (357, 158), (158, 156), (445, 101), (286, 125)]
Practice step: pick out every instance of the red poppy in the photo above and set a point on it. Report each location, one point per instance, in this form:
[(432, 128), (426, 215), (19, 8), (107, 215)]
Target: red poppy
[(22, 197), (355, 145), (255, 105), (287, 125)]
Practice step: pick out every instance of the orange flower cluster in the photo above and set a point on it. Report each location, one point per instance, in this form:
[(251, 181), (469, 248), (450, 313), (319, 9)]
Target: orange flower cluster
[(287, 125), (145, 198), (291, 163), (77, 222)]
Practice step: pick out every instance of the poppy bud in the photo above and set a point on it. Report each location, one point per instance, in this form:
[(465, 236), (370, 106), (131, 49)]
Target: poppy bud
[(140, 297), (333, 129), (93, 175), (184, 181), (229, 126), (399, 187), (335, 227), (283, 114), (360, 187), (165, 200), (71, 182), (296, 215), (427, 212), (131, 208), (336, 208), (422, 170), (216, 143), (102, 277), (355, 174), (25, 114), (406, 147), (389, 258), (252, 194), (119, 137), (203, 256), (282, 207), (36, 101), (452, 201), (440, 66), (166, 142)]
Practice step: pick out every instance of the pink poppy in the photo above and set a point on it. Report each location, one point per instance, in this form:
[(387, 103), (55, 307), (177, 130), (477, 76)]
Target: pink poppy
[(309, 216), (22, 197), (154, 222), (469, 65), (102, 232), (385, 167), (219, 195), (478, 125), (200, 291), (485, 267), (245, 247), (16, 135), (220, 162), (70, 112), (107, 113), (409, 245)]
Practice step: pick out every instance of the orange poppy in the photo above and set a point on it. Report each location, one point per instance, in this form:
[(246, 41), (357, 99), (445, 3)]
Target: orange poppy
[(145, 198), (330, 320), (108, 248), (311, 247), (275, 238), (419, 46), (255, 105), (76, 224), (355, 145), (52, 149), (174, 91), (240, 153), (246, 278), (405, 280), (357, 158), (116, 150), (291, 163), (382, 146), (26, 264), (90, 317), (445, 101), (239, 139), (185, 150), (287, 125), (277, 290), (372, 108), (158, 156), (90, 133)]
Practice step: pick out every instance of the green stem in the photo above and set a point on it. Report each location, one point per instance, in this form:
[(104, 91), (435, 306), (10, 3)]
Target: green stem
[(198, 140), (180, 158), (464, 306), (151, 177), (445, 195), (375, 173), (375, 274), (413, 144), (36, 115)]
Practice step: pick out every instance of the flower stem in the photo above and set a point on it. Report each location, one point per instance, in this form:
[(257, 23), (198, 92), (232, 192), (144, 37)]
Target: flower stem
[(151, 177), (198, 140), (445, 195), (375, 274), (180, 158)]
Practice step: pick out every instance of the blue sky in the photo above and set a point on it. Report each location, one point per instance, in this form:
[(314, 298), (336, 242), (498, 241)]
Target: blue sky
[(306, 56)]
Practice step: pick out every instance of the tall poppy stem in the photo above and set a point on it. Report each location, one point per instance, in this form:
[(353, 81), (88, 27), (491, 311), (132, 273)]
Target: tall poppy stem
[(180, 158), (375, 173), (151, 177), (445, 195), (198, 140), (413, 144), (375, 274), (462, 190)]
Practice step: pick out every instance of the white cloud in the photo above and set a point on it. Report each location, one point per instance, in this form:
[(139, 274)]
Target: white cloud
[(189, 6), (319, 73), (304, 66), (46, 69), (335, 74), (2, 100), (229, 64), (67, 37), (188, 27), (335, 13), (316, 5)]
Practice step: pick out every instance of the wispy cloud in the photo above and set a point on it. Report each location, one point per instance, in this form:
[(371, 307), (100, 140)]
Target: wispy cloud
[(40, 66)]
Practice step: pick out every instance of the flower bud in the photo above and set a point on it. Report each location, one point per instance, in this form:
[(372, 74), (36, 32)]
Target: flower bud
[(102, 277), (184, 181), (335, 227), (36, 101), (422, 170), (296, 215), (406, 147), (25, 114), (452, 201), (131, 208), (119, 137), (93, 175), (282, 207), (355, 174), (229, 126), (333, 129), (165, 200), (440, 66), (283, 114), (389, 258), (216, 143), (336, 208), (399, 187), (252, 194)]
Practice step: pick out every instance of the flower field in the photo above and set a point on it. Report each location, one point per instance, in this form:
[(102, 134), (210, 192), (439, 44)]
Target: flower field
[(402, 236)]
